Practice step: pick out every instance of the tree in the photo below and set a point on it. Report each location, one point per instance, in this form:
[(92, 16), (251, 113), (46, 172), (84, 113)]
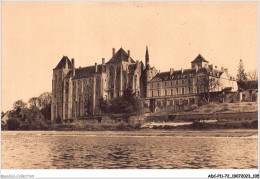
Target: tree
[(13, 124), (241, 75), (127, 103), (212, 85), (103, 105), (34, 103), (46, 112), (2, 113), (19, 103), (44, 100), (252, 75)]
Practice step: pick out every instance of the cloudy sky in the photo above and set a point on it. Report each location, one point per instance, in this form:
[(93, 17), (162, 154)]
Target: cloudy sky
[(35, 36)]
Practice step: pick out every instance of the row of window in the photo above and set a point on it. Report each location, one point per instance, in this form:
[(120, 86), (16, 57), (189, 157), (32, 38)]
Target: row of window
[(178, 91), (177, 82)]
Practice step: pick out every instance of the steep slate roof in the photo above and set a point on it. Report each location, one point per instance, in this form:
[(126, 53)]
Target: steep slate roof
[(132, 67), (164, 76), (84, 72), (62, 63), (120, 55), (199, 58)]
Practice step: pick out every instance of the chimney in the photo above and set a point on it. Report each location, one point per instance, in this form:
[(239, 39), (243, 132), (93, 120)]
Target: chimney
[(73, 66), (103, 61), (222, 69), (96, 68), (113, 51), (171, 71), (129, 58), (181, 70), (159, 71), (226, 70)]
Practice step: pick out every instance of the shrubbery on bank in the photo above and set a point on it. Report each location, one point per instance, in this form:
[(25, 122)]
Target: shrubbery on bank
[(13, 124)]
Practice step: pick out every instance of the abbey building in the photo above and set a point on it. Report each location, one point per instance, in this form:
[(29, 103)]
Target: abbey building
[(77, 92)]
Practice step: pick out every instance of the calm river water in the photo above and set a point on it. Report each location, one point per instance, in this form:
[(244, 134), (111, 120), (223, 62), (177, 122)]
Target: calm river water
[(142, 149)]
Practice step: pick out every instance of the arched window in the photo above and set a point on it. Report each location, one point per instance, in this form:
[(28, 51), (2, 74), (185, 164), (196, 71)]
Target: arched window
[(111, 77), (67, 87), (118, 72), (60, 75), (74, 86), (111, 71), (79, 86)]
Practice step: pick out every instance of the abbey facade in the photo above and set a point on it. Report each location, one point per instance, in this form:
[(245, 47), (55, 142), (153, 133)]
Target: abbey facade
[(77, 92)]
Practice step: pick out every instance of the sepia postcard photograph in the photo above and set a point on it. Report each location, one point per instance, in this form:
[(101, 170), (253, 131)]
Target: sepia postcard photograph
[(129, 85)]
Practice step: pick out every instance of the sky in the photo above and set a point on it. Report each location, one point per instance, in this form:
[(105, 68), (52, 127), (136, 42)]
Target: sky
[(36, 35)]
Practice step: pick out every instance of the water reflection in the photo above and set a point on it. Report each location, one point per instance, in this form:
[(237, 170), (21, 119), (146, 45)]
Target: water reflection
[(114, 150)]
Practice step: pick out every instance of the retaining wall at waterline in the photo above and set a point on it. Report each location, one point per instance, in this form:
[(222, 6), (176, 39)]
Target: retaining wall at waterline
[(237, 116)]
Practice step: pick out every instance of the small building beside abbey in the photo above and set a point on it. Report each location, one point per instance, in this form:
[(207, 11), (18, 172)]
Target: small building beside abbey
[(77, 92)]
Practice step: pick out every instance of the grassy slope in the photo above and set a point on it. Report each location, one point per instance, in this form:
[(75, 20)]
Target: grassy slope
[(226, 107), (212, 108)]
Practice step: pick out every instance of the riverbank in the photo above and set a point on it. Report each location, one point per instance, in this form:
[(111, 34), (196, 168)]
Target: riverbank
[(196, 126), (207, 117), (252, 133)]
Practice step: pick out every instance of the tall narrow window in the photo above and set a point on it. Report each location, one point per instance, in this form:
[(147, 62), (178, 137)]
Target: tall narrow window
[(182, 90), (190, 90), (67, 87), (158, 91), (171, 92), (177, 90), (166, 92), (152, 93), (176, 82)]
